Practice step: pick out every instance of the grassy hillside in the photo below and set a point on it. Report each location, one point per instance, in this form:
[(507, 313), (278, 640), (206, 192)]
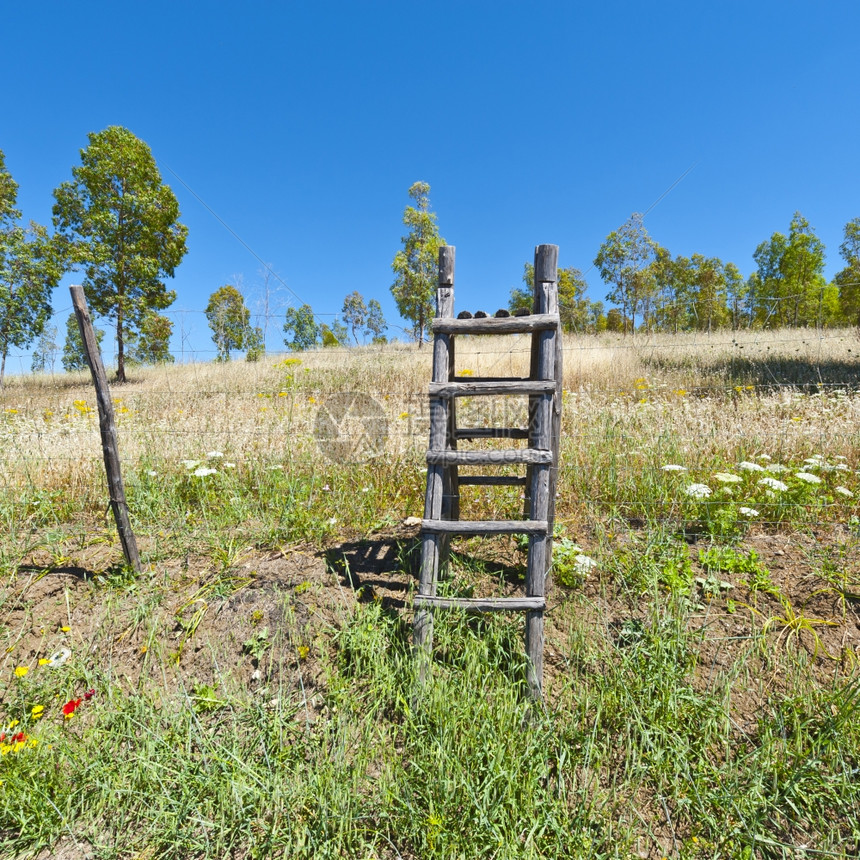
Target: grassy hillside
[(252, 693)]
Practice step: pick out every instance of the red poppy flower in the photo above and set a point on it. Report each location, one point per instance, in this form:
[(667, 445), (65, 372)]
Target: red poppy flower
[(89, 694), (71, 706), (16, 739)]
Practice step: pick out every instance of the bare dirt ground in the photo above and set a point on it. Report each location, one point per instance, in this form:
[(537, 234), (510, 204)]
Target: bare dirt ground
[(267, 622)]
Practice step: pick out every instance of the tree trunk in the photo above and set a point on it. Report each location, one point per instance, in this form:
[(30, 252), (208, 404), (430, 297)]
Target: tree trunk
[(2, 368), (120, 357)]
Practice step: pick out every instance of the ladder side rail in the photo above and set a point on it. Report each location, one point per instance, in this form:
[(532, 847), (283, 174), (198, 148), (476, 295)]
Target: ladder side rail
[(543, 367), (432, 543)]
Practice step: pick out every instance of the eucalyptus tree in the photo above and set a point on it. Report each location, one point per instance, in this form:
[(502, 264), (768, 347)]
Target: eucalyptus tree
[(301, 329), (803, 271), (622, 260), (354, 313), (415, 265), (847, 280), (120, 224), (229, 319)]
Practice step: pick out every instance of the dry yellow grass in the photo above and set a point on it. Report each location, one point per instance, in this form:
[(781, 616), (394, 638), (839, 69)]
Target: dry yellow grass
[(696, 395)]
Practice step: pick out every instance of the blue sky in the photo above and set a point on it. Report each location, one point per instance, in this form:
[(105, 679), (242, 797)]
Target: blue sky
[(302, 125)]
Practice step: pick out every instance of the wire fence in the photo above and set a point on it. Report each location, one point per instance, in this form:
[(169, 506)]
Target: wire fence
[(765, 421)]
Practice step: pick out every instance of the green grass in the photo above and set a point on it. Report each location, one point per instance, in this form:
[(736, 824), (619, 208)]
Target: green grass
[(695, 708)]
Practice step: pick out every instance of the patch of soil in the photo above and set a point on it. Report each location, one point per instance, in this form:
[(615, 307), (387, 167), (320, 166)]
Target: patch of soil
[(266, 622)]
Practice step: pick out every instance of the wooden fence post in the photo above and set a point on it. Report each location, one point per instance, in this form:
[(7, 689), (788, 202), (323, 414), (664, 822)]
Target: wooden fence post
[(107, 426)]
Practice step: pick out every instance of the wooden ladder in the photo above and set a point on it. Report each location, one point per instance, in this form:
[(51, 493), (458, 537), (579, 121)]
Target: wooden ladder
[(441, 507)]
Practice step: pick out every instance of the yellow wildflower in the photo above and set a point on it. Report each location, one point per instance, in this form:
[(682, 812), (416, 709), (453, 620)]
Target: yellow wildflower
[(37, 711), (21, 671)]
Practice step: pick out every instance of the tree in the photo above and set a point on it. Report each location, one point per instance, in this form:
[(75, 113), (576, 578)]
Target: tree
[(672, 280), (577, 313), (74, 355), (45, 353), (791, 285), (120, 223), (415, 266), (737, 295), (375, 323), (30, 268), (769, 283), (354, 312), (255, 344), (229, 319), (151, 344), (709, 292), (621, 261), (301, 329), (848, 279), (802, 267)]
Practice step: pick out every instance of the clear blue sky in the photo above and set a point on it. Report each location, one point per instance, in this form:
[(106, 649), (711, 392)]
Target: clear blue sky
[(302, 125)]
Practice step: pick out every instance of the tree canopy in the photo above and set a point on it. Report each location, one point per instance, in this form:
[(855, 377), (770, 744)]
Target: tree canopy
[(120, 224), (30, 268), (301, 329), (415, 265), (230, 321)]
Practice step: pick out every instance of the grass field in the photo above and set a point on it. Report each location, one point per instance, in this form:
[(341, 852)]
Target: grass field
[(252, 693)]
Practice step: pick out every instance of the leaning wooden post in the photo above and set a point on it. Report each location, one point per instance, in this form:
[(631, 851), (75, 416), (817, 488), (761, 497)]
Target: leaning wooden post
[(541, 484), (107, 426), (433, 545)]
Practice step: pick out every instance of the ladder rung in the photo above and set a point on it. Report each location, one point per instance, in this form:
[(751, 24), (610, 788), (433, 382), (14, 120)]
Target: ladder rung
[(491, 379), (498, 457), (496, 325), (486, 527), (482, 604), (475, 388), (491, 433), (491, 480)]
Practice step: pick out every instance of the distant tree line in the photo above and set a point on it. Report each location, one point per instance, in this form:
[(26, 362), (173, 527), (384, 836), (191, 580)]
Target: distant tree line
[(654, 291)]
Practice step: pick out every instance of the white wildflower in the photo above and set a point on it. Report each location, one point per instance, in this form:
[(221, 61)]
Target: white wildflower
[(229, 465), (844, 491), (728, 477), (750, 467), (583, 565), (673, 467), (808, 478), (204, 472), (841, 467), (748, 512), (214, 455), (152, 473), (332, 521), (765, 457), (777, 468), (59, 658), (698, 491), (275, 468), (773, 484), (191, 464)]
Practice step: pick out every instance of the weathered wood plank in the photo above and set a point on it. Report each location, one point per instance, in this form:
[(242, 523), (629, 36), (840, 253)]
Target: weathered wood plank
[(492, 433), (496, 325), (481, 388), (433, 546), (482, 604), (107, 427), (489, 458), (492, 481), (484, 527)]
